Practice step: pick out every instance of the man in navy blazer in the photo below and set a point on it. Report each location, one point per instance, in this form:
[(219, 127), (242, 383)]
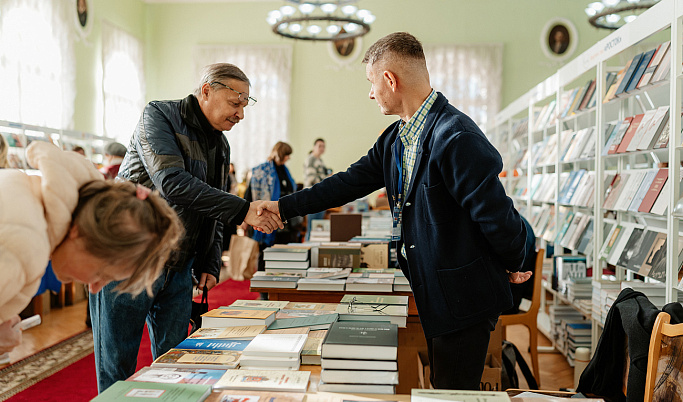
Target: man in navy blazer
[(460, 239)]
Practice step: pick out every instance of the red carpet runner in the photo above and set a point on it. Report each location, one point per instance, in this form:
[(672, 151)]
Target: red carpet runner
[(77, 382)]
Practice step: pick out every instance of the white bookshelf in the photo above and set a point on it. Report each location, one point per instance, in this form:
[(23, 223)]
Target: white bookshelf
[(663, 20)]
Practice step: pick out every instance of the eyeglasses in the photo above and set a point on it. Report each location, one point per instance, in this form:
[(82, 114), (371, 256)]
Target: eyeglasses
[(243, 97)]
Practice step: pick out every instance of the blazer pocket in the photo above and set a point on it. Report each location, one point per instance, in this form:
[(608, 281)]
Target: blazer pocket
[(436, 204), (468, 290)]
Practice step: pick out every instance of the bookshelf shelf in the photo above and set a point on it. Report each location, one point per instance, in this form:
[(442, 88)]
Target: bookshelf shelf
[(642, 172)]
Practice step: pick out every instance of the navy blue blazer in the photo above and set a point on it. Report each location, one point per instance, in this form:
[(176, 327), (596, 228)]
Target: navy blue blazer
[(460, 230)]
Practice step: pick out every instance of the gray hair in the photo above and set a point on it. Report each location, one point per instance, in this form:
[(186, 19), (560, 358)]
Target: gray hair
[(115, 149), (401, 44), (219, 72)]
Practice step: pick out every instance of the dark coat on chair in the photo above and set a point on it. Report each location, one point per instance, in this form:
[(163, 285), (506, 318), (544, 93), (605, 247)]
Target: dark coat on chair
[(632, 315), (461, 232)]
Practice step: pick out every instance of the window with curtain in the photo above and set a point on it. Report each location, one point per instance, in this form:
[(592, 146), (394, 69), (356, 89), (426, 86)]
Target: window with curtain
[(269, 69), (123, 82), (37, 63), (470, 76)]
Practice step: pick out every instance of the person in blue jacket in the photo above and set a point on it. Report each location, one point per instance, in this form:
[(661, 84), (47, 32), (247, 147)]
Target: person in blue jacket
[(460, 240)]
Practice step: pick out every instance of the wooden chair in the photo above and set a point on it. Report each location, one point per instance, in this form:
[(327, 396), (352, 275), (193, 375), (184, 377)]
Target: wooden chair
[(664, 381), (529, 317)]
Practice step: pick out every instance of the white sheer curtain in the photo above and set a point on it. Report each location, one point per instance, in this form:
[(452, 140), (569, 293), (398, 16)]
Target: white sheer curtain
[(123, 82), (269, 69), (37, 62), (470, 76)]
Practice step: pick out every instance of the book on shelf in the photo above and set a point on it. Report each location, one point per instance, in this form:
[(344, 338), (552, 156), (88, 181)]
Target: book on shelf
[(312, 350), (643, 127), (436, 395), (655, 189), (254, 396), (359, 377), (590, 92), (642, 190), (630, 247), (264, 380), (246, 332), (662, 202), (620, 243), (276, 304), (138, 391), (663, 140), (640, 70), (275, 345), (655, 127), (628, 75), (610, 239), (565, 226), (654, 265), (568, 99), (357, 388), (321, 284), (213, 344), (615, 190), (375, 299), (630, 133), (275, 280), (619, 135), (662, 71), (357, 364), (221, 318), (642, 247), (313, 322), (302, 265), (631, 186), (612, 89), (291, 253), (654, 63), (203, 359), (173, 375), (361, 340), (585, 245)]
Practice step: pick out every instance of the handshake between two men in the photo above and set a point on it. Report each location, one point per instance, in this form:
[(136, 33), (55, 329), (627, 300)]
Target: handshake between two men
[(264, 216)]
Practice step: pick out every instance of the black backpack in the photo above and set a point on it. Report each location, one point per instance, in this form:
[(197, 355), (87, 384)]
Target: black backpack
[(508, 377)]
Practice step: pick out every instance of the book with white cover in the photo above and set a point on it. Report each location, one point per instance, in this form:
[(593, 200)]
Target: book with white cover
[(321, 284), (358, 388), (287, 264), (277, 345), (286, 254), (260, 303), (435, 395), (266, 380), (641, 130), (359, 377), (288, 363), (356, 364)]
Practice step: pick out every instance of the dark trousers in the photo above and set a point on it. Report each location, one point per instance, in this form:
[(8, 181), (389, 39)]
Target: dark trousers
[(457, 359)]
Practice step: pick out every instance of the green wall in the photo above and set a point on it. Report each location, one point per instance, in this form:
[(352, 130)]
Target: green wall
[(327, 101)]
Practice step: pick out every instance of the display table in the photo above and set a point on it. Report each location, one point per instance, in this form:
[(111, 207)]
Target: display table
[(411, 339)]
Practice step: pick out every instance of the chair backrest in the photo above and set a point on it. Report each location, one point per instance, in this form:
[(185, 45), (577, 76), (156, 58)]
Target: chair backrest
[(665, 361), (538, 279)]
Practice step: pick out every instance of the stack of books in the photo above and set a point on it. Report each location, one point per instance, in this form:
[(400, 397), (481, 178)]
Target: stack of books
[(601, 290), (273, 352), (287, 259), (578, 334), (263, 279), (264, 380), (360, 357), (236, 317), (320, 230), (370, 282), (323, 279)]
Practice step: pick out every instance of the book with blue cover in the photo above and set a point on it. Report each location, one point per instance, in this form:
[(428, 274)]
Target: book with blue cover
[(638, 73), (212, 344), (628, 75)]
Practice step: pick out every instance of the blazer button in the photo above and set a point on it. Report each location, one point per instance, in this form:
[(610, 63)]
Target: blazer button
[(412, 246), (407, 204)]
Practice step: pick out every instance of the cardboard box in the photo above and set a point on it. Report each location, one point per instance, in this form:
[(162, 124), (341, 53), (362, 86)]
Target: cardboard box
[(374, 255), (490, 378)]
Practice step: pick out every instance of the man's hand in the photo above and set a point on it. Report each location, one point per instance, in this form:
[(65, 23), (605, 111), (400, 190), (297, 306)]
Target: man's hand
[(262, 218), (272, 206), (519, 277), (10, 334), (207, 280)]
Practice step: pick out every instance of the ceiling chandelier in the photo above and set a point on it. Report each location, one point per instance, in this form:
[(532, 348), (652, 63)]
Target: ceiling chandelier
[(320, 20), (613, 14)]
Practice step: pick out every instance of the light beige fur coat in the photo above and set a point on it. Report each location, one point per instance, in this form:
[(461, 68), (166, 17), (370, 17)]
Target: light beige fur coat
[(35, 216)]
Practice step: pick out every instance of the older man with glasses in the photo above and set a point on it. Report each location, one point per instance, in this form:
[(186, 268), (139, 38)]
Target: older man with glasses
[(179, 149)]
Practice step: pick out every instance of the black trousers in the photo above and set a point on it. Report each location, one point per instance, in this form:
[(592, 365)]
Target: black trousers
[(457, 359)]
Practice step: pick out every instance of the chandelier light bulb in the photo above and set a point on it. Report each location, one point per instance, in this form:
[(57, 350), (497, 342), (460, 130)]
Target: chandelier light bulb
[(306, 8), (597, 6), (629, 18), (328, 8), (271, 20), (314, 29), (610, 3), (349, 9), (275, 14), (612, 18), (296, 28), (351, 27), (590, 11), (333, 29), (369, 19), (362, 13), (287, 11)]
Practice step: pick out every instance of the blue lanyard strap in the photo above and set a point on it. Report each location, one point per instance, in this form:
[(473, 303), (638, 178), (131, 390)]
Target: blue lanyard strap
[(398, 157)]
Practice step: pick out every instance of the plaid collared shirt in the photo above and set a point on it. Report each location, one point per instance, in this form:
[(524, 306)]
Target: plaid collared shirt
[(410, 134)]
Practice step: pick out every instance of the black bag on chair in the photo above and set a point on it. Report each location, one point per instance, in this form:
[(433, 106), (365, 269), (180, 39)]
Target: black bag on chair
[(511, 358), (197, 310)]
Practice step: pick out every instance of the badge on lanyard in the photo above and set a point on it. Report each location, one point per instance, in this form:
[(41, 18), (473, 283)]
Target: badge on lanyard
[(396, 224), (398, 210)]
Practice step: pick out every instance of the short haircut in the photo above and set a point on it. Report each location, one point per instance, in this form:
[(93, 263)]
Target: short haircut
[(220, 72), (115, 149), (401, 44), (318, 139), (118, 227), (280, 150), (4, 146)]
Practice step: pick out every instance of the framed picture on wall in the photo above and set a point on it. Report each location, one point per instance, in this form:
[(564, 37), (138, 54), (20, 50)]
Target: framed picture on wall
[(559, 39), (83, 17), (345, 51)]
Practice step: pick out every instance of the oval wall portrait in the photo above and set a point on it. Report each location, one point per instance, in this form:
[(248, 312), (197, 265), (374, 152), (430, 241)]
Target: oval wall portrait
[(83, 15), (559, 39), (345, 51)]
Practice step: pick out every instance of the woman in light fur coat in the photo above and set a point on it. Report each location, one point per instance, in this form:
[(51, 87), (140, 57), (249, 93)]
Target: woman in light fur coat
[(94, 231)]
